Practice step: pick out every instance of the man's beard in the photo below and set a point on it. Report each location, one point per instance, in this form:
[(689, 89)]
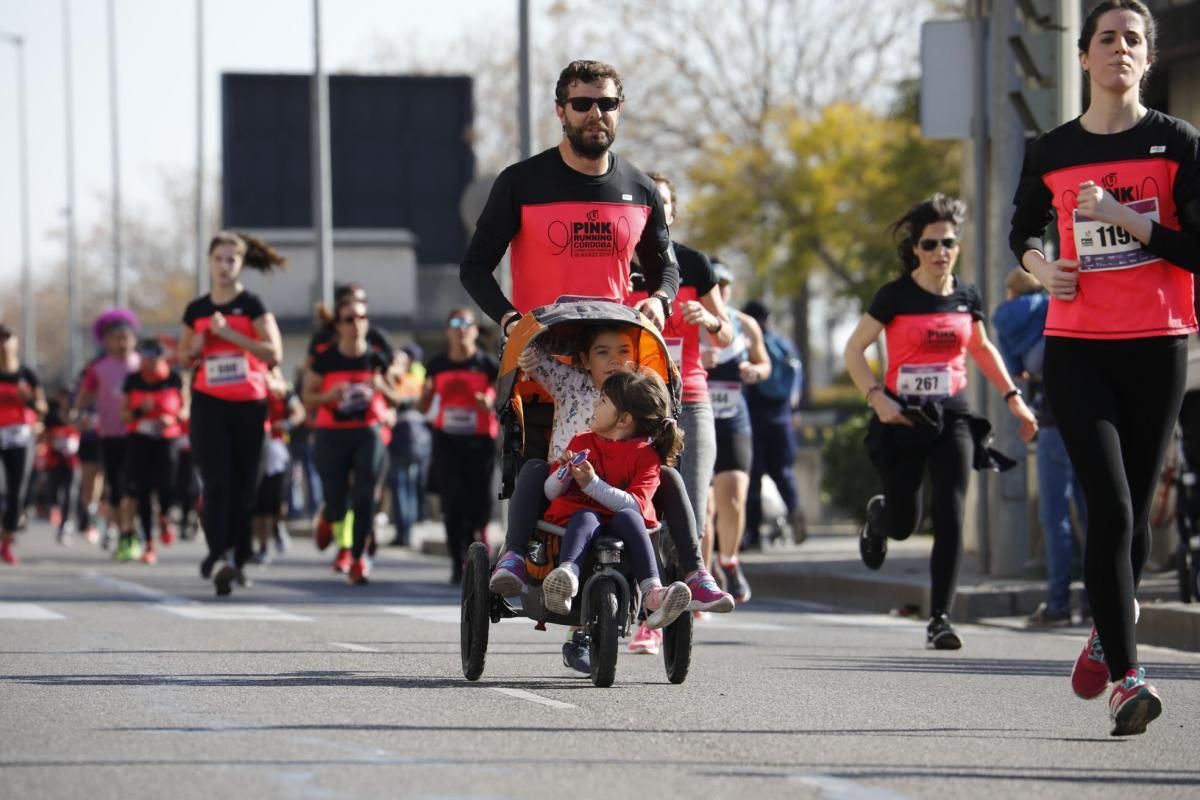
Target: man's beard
[(594, 147)]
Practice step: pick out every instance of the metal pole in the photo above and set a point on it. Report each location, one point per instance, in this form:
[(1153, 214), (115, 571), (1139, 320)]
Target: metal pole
[(28, 313), (119, 295), (74, 345), (523, 125), (201, 264), (322, 205), (979, 133)]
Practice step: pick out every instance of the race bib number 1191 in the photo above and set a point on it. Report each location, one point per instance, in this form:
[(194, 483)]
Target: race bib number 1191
[(1102, 246)]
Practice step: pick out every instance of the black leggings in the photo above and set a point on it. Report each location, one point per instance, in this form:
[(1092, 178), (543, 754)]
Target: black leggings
[(465, 465), (949, 460), (1116, 402), (627, 525), (149, 471), (528, 503), (112, 461), (187, 488), (227, 439), (18, 465), (64, 489), (340, 452)]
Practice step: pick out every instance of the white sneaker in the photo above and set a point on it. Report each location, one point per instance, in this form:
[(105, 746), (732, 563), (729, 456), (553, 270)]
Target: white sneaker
[(557, 590), (666, 603)]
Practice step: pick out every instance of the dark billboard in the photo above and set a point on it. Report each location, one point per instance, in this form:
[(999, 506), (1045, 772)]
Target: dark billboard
[(400, 155)]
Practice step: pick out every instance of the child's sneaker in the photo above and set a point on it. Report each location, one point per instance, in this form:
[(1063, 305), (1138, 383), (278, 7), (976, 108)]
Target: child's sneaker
[(510, 577), (1133, 704), (558, 589), (707, 595), (646, 641), (1089, 678), (343, 561), (666, 603)]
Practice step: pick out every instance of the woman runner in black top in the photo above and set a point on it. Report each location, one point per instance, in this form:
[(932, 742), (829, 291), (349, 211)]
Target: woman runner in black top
[(21, 402), (1123, 182), (933, 321)]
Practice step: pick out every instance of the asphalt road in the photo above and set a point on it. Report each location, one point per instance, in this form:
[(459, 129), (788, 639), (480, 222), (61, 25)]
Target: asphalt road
[(129, 681)]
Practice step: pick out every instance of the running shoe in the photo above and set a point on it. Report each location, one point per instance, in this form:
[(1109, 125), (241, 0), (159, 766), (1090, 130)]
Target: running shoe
[(166, 531), (1133, 704), (343, 561), (56, 517), (223, 579), (558, 589), (701, 616), (940, 635), (323, 532), (707, 595), (149, 556), (92, 535), (283, 539), (135, 549), (872, 545), (1089, 677), (510, 578), (262, 556), (1047, 617), (359, 571), (7, 555), (646, 640), (66, 534), (124, 551), (577, 653), (241, 578), (735, 581), (206, 566), (665, 603)]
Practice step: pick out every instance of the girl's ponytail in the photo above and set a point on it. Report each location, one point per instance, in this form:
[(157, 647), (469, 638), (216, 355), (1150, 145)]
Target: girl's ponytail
[(668, 442), (260, 255)]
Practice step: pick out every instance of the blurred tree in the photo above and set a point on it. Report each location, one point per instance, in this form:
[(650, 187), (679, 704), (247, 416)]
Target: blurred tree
[(817, 193)]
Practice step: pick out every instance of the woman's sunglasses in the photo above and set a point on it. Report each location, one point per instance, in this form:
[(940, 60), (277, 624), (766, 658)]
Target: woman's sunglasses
[(929, 245), (584, 104), (459, 322)]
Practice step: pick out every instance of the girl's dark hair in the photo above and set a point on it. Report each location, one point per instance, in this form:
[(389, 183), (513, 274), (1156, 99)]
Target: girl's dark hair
[(938, 208), (645, 397), (1090, 23), (341, 291), (256, 253)]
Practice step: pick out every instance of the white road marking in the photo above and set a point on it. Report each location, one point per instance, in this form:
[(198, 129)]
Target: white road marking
[(521, 694), (27, 611), (232, 613), (129, 587), (842, 789), (428, 613), (726, 622), (357, 648)]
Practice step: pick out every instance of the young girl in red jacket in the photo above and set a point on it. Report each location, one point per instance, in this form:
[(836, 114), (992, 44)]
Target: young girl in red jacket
[(632, 435)]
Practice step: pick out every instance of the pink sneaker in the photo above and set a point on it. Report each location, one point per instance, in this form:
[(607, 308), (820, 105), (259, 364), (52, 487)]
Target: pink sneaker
[(1089, 678), (665, 603), (707, 595), (7, 555), (509, 579), (1133, 704), (646, 641)]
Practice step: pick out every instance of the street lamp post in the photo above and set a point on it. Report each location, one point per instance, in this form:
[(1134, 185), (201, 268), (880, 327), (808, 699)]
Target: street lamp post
[(119, 293), (74, 345), (28, 315)]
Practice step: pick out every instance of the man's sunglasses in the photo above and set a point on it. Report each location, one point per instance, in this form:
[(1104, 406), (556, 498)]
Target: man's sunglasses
[(355, 318), (459, 322), (584, 104), (929, 245)]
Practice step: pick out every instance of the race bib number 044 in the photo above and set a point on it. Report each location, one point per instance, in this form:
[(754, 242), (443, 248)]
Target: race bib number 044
[(927, 381), (1102, 246)]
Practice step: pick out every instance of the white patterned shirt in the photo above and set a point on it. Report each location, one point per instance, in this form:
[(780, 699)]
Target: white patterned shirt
[(575, 397)]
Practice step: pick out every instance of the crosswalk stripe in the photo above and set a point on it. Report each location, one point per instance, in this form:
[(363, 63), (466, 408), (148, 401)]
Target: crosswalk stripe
[(521, 694), (27, 611), (218, 612), (354, 648)]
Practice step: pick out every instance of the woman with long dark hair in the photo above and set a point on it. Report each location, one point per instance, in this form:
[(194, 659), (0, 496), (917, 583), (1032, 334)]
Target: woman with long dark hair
[(232, 340), (1123, 184), (933, 320)]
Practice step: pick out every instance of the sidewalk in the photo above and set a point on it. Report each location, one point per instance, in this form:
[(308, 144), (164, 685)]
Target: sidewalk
[(826, 569)]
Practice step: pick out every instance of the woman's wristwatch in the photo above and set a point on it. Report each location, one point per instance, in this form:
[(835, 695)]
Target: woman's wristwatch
[(1009, 395)]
